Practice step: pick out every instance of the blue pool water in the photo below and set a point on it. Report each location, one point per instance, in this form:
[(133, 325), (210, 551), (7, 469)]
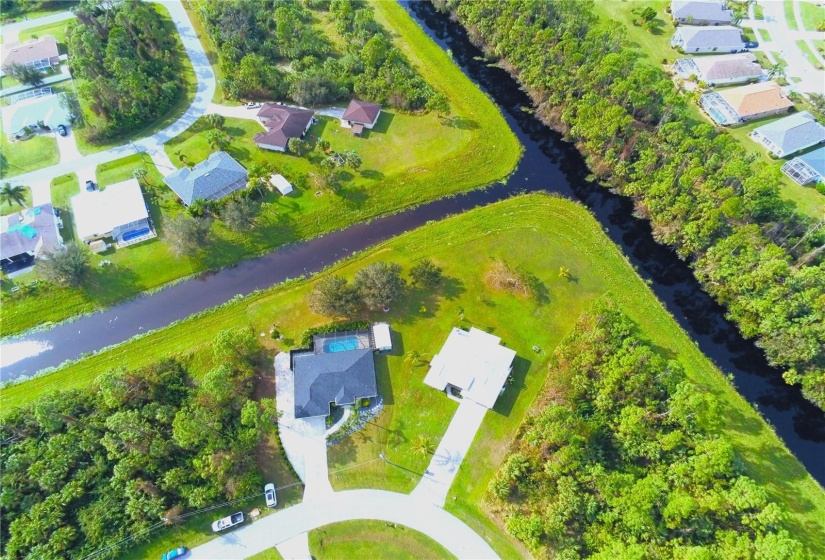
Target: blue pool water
[(719, 117), (342, 345), (132, 234)]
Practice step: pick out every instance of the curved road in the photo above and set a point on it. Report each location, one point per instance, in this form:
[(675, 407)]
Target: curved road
[(151, 144), (442, 527)]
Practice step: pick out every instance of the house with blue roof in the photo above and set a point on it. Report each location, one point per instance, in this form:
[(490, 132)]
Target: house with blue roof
[(792, 134), (808, 168), (212, 179)]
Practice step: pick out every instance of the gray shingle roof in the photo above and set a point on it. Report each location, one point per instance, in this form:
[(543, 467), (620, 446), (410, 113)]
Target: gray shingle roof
[(21, 237), (711, 11), (695, 37), (339, 377), (815, 160), (216, 177), (793, 133)]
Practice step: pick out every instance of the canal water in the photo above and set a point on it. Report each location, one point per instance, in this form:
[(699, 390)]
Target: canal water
[(548, 164)]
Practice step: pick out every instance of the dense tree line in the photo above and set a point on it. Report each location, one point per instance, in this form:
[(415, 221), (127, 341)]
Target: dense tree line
[(702, 193), (625, 460), (83, 469), (128, 62), (276, 53)]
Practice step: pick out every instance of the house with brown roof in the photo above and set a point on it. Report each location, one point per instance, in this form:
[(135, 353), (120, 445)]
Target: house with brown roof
[(360, 115), (41, 53), (719, 70), (281, 123), (745, 103)]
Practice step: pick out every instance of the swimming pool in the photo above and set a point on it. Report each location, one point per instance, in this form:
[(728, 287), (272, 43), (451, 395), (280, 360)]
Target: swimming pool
[(718, 116), (341, 345)]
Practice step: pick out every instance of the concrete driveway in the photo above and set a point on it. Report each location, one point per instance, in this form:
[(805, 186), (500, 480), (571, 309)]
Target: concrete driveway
[(303, 439), (272, 530), (452, 449), (67, 145)]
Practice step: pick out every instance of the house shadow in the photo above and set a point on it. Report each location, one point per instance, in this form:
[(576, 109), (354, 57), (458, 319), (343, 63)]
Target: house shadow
[(382, 370), (384, 121), (504, 404)]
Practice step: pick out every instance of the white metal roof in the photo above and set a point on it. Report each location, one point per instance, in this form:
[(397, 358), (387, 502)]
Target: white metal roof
[(97, 213), (381, 336), (474, 362), (280, 183)]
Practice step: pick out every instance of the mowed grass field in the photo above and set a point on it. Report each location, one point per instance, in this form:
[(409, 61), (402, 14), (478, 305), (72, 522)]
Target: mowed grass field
[(407, 160), (376, 540), (537, 233)]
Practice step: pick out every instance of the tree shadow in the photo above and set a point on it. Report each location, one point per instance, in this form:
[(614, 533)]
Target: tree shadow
[(233, 131), (345, 451), (452, 288), (108, 284), (461, 123), (372, 174), (354, 197)]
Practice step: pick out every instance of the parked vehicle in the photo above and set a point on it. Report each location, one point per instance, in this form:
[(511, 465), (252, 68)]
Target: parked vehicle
[(90, 186), (61, 130), (253, 105), (751, 44), (269, 495), (172, 554), (227, 522)]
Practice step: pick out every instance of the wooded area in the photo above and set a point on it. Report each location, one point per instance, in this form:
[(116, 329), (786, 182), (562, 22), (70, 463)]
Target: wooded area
[(625, 459), (127, 62), (704, 196), (83, 469), (277, 54)]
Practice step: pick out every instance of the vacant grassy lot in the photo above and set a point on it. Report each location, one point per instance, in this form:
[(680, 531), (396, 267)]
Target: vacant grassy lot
[(806, 50), (407, 160), (189, 81), (561, 234), (374, 540), (59, 30), (22, 156), (652, 45)]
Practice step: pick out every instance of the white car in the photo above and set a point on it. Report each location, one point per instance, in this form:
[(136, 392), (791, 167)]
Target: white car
[(269, 495), (227, 522)]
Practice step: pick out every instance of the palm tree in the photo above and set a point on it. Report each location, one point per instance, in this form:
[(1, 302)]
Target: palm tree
[(776, 70), (564, 272), (181, 156), (13, 195), (423, 446), (415, 357), (217, 139)]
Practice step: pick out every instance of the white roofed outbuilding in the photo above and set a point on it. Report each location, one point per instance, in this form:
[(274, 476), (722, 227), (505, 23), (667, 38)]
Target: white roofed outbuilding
[(280, 183), (382, 339), (472, 364)]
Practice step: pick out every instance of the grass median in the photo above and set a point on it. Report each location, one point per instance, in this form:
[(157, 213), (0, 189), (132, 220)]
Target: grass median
[(372, 539), (561, 234)]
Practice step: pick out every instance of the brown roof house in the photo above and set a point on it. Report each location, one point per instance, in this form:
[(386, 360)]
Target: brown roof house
[(40, 53), (718, 70), (360, 115), (281, 123), (745, 103)]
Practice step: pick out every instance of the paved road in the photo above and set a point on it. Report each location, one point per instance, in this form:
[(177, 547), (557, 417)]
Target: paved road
[(393, 507), (152, 144), (783, 42), (11, 31), (47, 81)]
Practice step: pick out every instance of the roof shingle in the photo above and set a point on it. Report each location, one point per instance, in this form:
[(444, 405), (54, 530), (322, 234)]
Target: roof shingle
[(212, 179)]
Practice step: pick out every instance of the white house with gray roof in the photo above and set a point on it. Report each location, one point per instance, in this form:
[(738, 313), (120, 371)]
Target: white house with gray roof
[(212, 179), (691, 39), (792, 134), (719, 70), (704, 12)]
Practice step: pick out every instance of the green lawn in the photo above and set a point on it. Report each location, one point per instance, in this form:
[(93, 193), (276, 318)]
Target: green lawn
[(652, 45), (6, 208), (408, 160), (22, 156), (374, 540), (806, 50), (812, 15), (789, 15), (567, 236), (765, 34), (271, 554), (189, 81), (59, 30), (819, 44)]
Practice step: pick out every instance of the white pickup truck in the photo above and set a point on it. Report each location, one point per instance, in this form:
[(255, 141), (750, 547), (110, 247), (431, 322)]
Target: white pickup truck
[(227, 522)]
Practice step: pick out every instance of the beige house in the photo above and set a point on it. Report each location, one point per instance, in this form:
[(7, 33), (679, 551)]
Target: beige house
[(745, 103), (720, 70), (39, 53)]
